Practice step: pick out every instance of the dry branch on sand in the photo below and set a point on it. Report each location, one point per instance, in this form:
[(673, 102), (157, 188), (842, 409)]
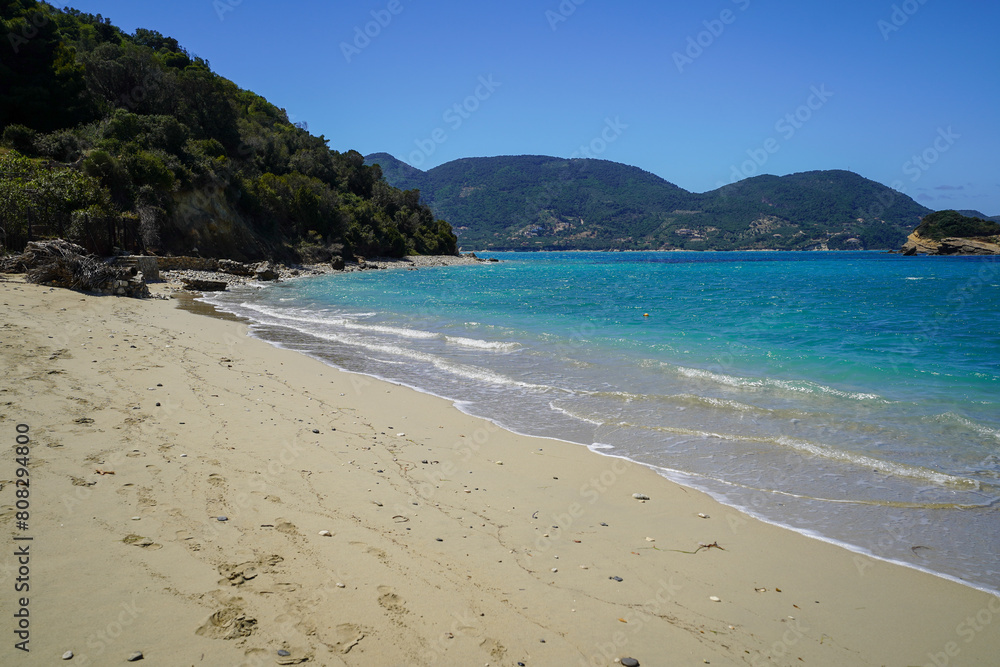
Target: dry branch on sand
[(60, 263)]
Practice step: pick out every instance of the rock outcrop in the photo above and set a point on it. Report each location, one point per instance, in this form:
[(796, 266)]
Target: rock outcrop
[(206, 224), (201, 285), (916, 245)]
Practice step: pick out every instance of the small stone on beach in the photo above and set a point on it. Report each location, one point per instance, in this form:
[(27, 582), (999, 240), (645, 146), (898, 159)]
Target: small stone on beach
[(630, 662), (616, 578), (68, 655), (640, 496), (135, 657), (282, 652), (222, 518), (715, 598), (325, 533)]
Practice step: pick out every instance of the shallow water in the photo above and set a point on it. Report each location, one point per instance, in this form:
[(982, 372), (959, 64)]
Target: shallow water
[(850, 396)]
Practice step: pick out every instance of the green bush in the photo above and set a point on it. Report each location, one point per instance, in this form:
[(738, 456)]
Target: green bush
[(20, 138)]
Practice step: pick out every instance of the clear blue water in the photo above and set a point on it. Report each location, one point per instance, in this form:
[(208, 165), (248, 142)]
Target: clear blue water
[(850, 396)]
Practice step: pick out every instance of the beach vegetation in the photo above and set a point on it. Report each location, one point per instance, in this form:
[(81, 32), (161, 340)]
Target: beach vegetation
[(130, 142), (945, 224)]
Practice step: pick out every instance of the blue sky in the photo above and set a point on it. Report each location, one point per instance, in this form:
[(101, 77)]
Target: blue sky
[(906, 93)]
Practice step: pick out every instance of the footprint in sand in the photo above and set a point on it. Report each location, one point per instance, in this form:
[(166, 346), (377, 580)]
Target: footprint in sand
[(496, 649), (286, 527), (227, 623), (188, 540), (348, 636), (216, 479), (241, 573), (140, 541), (388, 599)]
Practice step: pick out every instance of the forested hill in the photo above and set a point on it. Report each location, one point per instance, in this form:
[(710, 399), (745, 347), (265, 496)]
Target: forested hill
[(128, 141), (541, 202)]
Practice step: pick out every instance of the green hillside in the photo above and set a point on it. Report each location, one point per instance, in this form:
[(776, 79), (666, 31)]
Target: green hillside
[(120, 141), (943, 224), (539, 202)]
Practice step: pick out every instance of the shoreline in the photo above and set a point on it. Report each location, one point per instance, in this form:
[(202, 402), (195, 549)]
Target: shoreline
[(923, 549), (670, 475), (481, 538)]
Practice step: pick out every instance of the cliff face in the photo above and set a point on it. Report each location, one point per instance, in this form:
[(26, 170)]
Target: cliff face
[(916, 245), (204, 223)]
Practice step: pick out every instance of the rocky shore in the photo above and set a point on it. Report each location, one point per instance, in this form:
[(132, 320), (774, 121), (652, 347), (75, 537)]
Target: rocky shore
[(233, 273), (917, 245), (58, 263)]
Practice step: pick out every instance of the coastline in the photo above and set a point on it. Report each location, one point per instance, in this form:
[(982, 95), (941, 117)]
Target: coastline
[(245, 430)]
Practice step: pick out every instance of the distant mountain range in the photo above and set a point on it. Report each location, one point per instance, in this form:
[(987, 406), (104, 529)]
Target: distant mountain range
[(528, 202), (972, 213)]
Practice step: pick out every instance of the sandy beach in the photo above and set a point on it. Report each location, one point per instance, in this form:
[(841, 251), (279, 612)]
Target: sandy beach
[(208, 499)]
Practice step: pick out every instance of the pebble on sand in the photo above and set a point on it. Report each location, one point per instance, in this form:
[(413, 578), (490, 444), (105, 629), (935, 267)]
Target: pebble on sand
[(326, 533), (68, 655), (640, 496), (630, 662), (135, 657), (715, 598)]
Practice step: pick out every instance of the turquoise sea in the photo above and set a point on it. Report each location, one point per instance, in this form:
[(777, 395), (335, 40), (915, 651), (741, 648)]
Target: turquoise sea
[(854, 397)]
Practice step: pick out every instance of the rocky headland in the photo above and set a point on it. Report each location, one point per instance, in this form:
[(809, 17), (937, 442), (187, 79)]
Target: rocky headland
[(951, 233), (954, 245)]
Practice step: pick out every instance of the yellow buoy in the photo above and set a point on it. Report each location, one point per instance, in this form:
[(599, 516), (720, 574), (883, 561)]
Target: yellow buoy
[(645, 314)]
